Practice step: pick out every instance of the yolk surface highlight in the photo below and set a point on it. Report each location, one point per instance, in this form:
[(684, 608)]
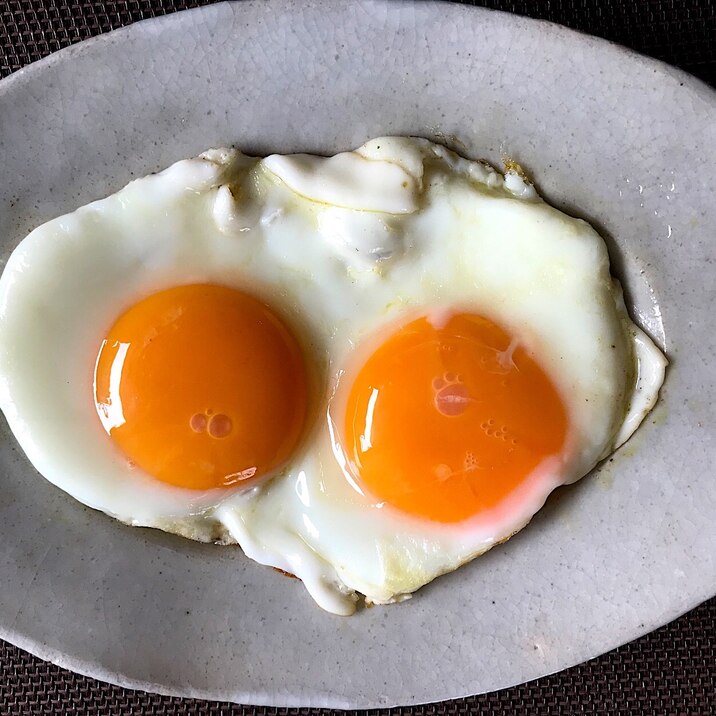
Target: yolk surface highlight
[(202, 386), (443, 422)]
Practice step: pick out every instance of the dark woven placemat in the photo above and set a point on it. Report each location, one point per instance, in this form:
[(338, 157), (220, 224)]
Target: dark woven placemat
[(671, 671)]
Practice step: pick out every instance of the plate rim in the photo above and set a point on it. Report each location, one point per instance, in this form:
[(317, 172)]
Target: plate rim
[(117, 34)]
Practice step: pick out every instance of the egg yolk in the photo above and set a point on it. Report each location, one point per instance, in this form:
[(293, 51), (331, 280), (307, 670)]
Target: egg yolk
[(202, 386), (445, 421)]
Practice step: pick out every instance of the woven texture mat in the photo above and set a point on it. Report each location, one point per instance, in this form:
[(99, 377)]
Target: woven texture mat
[(671, 671)]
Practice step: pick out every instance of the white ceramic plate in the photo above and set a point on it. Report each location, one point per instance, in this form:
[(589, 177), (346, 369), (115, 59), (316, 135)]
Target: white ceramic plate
[(622, 140)]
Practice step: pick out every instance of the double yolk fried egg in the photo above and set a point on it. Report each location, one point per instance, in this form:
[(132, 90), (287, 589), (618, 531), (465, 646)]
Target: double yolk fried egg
[(366, 370)]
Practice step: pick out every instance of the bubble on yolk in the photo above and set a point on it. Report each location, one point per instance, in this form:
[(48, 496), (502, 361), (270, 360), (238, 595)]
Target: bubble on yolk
[(444, 422), (202, 386)]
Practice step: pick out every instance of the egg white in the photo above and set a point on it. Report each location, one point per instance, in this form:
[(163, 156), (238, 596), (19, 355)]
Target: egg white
[(343, 248)]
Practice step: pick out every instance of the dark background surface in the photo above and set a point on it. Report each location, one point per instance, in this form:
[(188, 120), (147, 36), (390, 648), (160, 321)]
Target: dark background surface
[(671, 671)]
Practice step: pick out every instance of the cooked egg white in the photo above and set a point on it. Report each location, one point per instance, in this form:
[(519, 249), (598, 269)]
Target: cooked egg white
[(348, 248)]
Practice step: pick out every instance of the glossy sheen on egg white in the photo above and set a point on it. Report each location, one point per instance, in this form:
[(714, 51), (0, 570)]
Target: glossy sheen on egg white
[(344, 247)]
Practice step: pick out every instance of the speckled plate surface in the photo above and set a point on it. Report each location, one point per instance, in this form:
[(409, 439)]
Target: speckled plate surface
[(608, 135)]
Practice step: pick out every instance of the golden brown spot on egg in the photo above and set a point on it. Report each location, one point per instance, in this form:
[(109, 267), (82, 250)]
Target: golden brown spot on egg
[(284, 573), (512, 167)]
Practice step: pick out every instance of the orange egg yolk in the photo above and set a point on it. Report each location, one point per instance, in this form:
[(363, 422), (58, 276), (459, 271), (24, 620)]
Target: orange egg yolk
[(202, 386), (444, 422)]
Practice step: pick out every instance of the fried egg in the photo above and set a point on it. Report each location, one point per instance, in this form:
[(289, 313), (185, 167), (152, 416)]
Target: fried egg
[(365, 369)]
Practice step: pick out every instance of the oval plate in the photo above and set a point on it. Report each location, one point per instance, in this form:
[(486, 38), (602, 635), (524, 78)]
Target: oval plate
[(622, 140)]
